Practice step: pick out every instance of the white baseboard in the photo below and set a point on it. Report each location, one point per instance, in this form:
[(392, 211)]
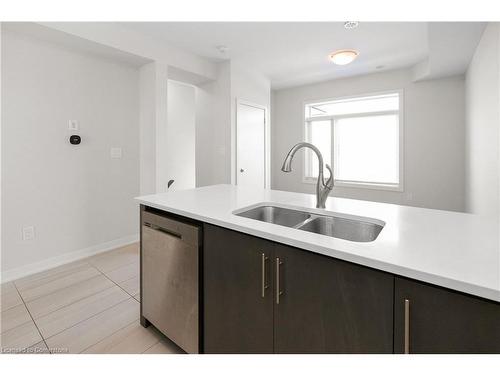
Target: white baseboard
[(59, 260)]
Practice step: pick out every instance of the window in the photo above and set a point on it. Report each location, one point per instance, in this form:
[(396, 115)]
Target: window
[(361, 136), (319, 134)]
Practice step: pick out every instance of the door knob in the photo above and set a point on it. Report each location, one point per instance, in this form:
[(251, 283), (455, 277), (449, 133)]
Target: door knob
[(242, 170)]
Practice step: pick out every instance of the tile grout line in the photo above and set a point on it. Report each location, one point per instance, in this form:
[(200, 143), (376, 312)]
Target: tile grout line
[(41, 279), (118, 285), (62, 288), (149, 347), (113, 269), (159, 340), (76, 262), (110, 307), (130, 278), (78, 300), (62, 307), (131, 297), (83, 261), (19, 325), (82, 281), (89, 317), (118, 330), (56, 290), (32, 319), (115, 284), (103, 274)]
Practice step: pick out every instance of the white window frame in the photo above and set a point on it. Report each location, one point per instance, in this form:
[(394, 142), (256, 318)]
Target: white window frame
[(332, 118)]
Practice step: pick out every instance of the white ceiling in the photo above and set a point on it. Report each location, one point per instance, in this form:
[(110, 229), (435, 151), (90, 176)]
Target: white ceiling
[(70, 41), (296, 53)]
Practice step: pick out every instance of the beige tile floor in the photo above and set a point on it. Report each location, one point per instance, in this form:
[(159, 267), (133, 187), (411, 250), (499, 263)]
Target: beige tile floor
[(89, 306)]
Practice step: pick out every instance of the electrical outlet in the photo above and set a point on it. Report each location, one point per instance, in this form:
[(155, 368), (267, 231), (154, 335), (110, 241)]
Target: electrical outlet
[(28, 233), (116, 152), (73, 125)]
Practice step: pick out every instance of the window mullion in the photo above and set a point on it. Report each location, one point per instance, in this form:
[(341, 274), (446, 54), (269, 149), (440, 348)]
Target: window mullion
[(352, 115), (333, 156)]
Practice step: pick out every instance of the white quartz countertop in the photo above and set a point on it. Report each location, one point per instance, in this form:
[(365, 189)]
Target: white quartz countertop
[(450, 249)]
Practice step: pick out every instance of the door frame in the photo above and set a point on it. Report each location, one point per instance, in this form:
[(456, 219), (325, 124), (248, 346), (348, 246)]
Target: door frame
[(267, 143)]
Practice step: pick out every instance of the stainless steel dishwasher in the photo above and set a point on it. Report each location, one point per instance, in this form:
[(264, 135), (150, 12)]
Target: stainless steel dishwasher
[(170, 278)]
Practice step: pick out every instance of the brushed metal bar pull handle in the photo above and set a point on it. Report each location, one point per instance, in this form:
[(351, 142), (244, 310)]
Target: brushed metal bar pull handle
[(407, 327), (278, 289), (264, 285), (163, 230)]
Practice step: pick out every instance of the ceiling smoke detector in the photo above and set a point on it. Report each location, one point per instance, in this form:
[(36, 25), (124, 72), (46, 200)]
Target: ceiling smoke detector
[(351, 24), (343, 57)]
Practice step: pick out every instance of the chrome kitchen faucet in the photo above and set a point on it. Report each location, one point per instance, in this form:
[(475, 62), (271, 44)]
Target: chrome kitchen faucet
[(322, 188)]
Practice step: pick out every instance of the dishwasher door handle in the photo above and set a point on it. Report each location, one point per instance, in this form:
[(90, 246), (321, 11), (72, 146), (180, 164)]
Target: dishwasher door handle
[(163, 230), (187, 232)]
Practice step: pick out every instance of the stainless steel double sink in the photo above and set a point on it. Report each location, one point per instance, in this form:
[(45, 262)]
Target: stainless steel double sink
[(357, 230)]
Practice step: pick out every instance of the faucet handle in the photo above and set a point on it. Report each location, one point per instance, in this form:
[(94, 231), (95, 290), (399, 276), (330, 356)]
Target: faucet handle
[(329, 182)]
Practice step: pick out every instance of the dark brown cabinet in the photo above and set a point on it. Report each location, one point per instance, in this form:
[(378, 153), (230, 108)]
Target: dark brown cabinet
[(429, 319), (262, 297), (330, 306), (238, 315)]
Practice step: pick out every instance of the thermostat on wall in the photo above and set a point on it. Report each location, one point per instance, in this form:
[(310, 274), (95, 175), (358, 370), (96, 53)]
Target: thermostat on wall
[(75, 139)]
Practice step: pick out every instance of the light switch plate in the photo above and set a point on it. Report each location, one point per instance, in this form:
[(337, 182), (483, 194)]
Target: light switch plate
[(28, 233), (73, 125), (116, 152)]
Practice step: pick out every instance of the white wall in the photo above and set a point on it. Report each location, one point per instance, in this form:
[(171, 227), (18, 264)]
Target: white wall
[(204, 154), (161, 61), (180, 148), (213, 127), (77, 197), (433, 130), (482, 125), (147, 128), (216, 119)]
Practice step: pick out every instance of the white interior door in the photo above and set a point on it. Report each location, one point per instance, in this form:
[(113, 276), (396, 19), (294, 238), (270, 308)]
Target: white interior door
[(180, 150), (250, 145)]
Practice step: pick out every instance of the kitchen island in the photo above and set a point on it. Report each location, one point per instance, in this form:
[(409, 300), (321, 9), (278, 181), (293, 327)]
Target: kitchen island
[(430, 281)]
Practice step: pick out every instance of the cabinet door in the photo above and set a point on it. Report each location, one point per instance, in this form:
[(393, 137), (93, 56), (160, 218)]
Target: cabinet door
[(238, 311), (441, 321), (330, 306)]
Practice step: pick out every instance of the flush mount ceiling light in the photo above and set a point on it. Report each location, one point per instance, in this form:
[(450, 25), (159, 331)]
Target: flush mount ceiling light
[(351, 24), (343, 57)]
